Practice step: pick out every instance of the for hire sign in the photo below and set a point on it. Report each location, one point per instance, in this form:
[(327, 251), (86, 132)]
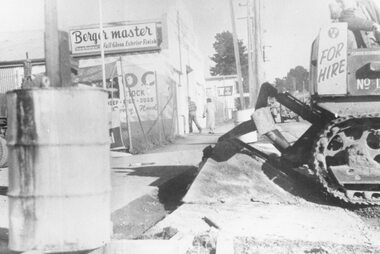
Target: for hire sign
[(117, 38), (332, 60)]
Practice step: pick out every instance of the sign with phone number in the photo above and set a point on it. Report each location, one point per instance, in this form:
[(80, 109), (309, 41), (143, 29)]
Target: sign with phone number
[(140, 82)]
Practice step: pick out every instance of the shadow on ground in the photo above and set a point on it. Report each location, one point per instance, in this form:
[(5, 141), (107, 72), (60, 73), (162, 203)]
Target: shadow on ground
[(297, 184), (131, 221), (163, 173), (170, 193)]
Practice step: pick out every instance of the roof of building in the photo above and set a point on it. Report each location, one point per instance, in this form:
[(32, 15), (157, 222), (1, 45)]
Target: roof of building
[(14, 45)]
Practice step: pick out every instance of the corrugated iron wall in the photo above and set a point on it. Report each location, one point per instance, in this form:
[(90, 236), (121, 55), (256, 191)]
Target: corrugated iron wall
[(10, 78)]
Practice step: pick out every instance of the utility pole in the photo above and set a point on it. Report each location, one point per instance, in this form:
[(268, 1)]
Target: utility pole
[(52, 48), (256, 57), (237, 56), (102, 43), (251, 78), (57, 53)]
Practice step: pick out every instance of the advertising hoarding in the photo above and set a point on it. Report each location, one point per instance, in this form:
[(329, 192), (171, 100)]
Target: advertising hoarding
[(117, 38), (141, 96)]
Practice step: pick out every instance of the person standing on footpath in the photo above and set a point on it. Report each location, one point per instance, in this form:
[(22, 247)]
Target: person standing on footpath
[(193, 115), (209, 112)]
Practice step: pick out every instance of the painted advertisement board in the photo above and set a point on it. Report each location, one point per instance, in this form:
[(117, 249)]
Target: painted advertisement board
[(117, 38), (332, 60), (141, 95)]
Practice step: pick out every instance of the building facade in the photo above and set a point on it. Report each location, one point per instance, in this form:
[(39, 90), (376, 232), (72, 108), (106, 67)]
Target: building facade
[(152, 67), (222, 90)]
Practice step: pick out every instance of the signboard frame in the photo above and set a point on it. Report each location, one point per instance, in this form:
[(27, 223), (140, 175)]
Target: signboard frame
[(158, 37), (332, 60)]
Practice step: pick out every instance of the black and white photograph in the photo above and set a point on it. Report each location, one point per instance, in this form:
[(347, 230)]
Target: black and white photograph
[(189, 126)]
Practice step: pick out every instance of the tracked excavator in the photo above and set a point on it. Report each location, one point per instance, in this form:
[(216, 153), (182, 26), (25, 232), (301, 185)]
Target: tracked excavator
[(342, 145)]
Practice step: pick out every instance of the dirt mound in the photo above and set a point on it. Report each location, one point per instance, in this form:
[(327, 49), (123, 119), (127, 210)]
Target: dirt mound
[(240, 179)]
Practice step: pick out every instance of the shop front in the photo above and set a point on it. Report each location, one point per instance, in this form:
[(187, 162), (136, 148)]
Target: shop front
[(140, 80), (151, 68)]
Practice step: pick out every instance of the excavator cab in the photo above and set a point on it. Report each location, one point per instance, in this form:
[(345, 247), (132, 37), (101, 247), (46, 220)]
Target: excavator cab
[(343, 79)]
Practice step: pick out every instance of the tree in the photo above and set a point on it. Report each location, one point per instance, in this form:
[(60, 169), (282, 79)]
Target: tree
[(224, 57), (280, 84), (297, 79)]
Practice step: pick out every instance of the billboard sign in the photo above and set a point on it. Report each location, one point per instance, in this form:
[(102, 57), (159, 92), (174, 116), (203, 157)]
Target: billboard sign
[(140, 86), (117, 38)]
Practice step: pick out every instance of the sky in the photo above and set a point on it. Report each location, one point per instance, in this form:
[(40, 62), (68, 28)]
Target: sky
[(289, 26)]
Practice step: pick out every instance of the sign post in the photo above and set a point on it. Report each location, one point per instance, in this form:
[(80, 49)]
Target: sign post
[(158, 109), (126, 106), (102, 43)]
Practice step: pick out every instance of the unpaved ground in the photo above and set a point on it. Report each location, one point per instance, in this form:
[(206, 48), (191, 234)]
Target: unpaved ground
[(268, 221), (253, 206), (245, 198), (260, 209), (263, 210), (247, 245)]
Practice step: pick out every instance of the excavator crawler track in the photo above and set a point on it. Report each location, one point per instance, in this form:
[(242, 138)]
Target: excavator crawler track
[(346, 159)]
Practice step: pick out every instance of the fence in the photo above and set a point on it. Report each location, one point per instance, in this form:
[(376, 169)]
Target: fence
[(152, 107), (10, 79)]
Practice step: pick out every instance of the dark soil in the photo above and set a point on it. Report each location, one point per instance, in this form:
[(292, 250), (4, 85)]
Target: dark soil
[(170, 193)]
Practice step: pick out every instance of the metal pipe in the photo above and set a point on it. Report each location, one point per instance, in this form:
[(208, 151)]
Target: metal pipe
[(126, 107)]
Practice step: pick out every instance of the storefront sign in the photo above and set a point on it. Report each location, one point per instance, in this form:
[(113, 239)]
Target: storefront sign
[(225, 91), (117, 38), (332, 60)]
